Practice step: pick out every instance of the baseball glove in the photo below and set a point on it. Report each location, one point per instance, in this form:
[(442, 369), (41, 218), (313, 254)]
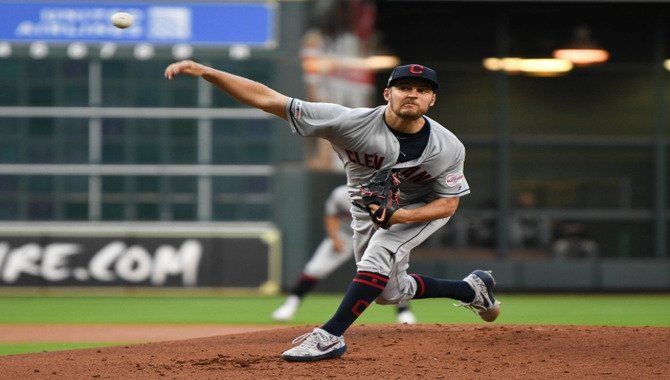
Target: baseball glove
[(381, 190)]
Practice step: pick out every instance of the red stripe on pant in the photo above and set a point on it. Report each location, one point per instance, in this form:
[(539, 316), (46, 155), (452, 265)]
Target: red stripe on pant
[(371, 279), (420, 286)]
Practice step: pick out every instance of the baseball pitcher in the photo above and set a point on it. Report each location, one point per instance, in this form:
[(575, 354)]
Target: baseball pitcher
[(405, 178)]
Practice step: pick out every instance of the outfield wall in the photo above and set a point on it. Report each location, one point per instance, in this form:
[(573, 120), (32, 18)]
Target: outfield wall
[(537, 275), (300, 218), (248, 256), (217, 255)]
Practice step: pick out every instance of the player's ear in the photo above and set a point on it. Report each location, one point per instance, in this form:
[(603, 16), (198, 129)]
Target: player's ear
[(386, 94), (432, 102)]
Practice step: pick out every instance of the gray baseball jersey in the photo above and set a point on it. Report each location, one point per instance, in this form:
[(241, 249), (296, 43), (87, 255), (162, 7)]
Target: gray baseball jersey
[(365, 145)]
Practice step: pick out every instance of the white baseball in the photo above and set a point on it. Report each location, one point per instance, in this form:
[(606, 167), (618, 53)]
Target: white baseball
[(122, 20)]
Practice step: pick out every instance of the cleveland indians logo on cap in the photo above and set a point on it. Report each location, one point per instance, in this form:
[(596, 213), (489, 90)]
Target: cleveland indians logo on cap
[(413, 71), (416, 69)]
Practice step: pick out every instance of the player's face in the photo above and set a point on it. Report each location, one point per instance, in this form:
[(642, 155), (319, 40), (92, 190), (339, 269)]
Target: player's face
[(410, 99)]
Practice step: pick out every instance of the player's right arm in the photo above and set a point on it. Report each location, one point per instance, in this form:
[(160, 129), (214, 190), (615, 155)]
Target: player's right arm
[(242, 89)]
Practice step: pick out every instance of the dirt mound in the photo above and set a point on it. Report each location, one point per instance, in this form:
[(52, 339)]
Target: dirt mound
[(375, 351)]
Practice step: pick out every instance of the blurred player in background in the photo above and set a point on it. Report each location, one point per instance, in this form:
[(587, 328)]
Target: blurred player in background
[(335, 250)]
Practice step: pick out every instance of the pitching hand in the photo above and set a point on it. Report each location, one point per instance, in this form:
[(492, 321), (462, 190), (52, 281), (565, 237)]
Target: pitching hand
[(185, 67)]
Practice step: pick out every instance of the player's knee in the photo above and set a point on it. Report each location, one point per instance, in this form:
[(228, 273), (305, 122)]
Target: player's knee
[(367, 266), (384, 301), (374, 264), (391, 299)]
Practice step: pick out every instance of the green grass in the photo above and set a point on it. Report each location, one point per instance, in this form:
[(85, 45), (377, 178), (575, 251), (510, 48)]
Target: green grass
[(578, 309), (599, 310), (199, 308), (27, 348)]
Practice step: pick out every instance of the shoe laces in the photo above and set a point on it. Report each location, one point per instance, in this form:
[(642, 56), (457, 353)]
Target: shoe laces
[(470, 306), (310, 338), (475, 308)]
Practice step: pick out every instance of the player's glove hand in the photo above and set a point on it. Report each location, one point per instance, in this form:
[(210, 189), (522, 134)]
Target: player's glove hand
[(381, 190)]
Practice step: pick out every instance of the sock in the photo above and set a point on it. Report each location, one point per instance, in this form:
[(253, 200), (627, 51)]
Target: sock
[(428, 287), (304, 285), (402, 307), (364, 288)]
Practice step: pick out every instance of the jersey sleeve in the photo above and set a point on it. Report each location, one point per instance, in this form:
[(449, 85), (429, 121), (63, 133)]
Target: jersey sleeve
[(314, 119), (452, 182)]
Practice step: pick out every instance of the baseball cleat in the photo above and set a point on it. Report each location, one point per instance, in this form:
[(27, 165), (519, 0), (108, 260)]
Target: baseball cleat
[(287, 310), (316, 345), (406, 317), (484, 304)]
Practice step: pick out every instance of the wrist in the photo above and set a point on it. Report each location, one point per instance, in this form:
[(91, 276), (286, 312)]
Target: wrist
[(401, 216), (207, 72)]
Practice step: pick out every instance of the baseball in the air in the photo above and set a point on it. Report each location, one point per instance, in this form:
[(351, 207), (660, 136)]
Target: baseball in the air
[(122, 20)]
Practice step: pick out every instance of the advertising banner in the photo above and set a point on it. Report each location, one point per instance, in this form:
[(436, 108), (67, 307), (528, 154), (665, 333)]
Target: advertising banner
[(213, 24), (139, 256)]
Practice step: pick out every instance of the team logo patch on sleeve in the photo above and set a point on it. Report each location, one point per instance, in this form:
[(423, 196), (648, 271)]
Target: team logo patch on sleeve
[(454, 179), (297, 109)]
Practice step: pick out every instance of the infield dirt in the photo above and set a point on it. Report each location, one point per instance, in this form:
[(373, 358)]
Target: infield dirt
[(375, 351)]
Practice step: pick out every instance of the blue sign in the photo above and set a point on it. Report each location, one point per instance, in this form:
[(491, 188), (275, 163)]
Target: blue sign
[(211, 24)]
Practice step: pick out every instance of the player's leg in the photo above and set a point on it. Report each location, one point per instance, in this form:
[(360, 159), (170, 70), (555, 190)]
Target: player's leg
[(324, 262), (373, 269), (474, 291), (385, 262), (404, 314), (327, 341), (368, 284), (326, 259), (290, 306)]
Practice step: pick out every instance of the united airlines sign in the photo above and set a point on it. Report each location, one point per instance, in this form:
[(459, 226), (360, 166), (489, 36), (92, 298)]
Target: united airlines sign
[(207, 24)]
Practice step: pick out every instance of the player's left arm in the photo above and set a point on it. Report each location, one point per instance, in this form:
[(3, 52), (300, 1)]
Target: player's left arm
[(449, 186), (438, 209)]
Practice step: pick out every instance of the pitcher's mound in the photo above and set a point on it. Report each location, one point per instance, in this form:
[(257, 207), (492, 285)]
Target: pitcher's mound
[(491, 351)]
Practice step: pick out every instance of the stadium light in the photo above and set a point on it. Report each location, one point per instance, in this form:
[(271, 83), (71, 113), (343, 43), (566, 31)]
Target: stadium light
[(39, 50), (107, 50), (77, 50), (545, 67), (144, 52), (5, 50), (182, 51), (239, 52), (529, 66), (582, 50)]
